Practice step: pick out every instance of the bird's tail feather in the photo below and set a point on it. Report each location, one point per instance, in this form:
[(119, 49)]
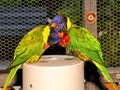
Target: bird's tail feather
[(105, 73), (11, 76)]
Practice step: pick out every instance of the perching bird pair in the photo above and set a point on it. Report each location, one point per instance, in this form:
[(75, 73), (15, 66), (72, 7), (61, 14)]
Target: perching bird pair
[(78, 40)]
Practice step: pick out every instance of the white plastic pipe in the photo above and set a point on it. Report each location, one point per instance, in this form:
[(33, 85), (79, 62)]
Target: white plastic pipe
[(54, 72)]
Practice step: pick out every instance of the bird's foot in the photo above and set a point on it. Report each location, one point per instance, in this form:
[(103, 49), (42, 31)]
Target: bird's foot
[(46, 45)]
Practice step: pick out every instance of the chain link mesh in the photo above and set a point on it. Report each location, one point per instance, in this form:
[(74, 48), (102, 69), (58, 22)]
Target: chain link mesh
[(17, 17), (108, 28)]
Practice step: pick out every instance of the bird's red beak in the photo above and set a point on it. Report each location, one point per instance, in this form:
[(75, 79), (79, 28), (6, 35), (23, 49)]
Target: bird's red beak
[(53, 25), (65, 40), (60, 34)]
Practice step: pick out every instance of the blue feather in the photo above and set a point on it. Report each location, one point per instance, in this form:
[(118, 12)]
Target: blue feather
[(53, 38), (60, 22)]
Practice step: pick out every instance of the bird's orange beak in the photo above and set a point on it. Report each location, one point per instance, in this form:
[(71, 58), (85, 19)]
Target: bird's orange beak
[(54, 25), (61, 34)]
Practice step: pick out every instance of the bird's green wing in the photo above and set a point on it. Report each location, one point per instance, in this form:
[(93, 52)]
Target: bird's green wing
[(82, 40), (29, 49), (31, 44)]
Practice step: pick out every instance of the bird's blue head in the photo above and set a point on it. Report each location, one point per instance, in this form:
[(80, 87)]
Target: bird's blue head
[(59, 23)]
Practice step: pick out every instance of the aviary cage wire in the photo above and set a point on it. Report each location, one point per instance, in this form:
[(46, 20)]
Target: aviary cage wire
[(17, 17)]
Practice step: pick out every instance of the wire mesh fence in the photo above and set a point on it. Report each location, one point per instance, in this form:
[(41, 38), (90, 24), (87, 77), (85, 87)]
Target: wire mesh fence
[(109, 30), (17, 17)]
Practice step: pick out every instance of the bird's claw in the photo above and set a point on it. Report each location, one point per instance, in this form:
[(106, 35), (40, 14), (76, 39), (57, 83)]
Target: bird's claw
[(46, 45)]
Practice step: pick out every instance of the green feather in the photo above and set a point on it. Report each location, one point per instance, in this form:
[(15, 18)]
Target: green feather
[(31, 44), (11, 76), (105, 73), (29, 49), (82, 40)]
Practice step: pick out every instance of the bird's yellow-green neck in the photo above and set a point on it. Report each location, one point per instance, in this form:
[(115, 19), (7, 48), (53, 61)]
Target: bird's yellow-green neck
[(46, 33), (69, 24)]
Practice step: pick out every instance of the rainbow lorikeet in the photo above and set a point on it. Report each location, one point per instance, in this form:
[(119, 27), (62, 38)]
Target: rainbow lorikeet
[(81, 43), (30, 48)]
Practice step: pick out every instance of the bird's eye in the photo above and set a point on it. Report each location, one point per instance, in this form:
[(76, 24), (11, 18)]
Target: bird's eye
[(54, 35)]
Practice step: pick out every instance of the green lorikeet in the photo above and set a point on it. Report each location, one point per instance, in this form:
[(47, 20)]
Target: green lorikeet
[(29, 49), (81, 43)]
